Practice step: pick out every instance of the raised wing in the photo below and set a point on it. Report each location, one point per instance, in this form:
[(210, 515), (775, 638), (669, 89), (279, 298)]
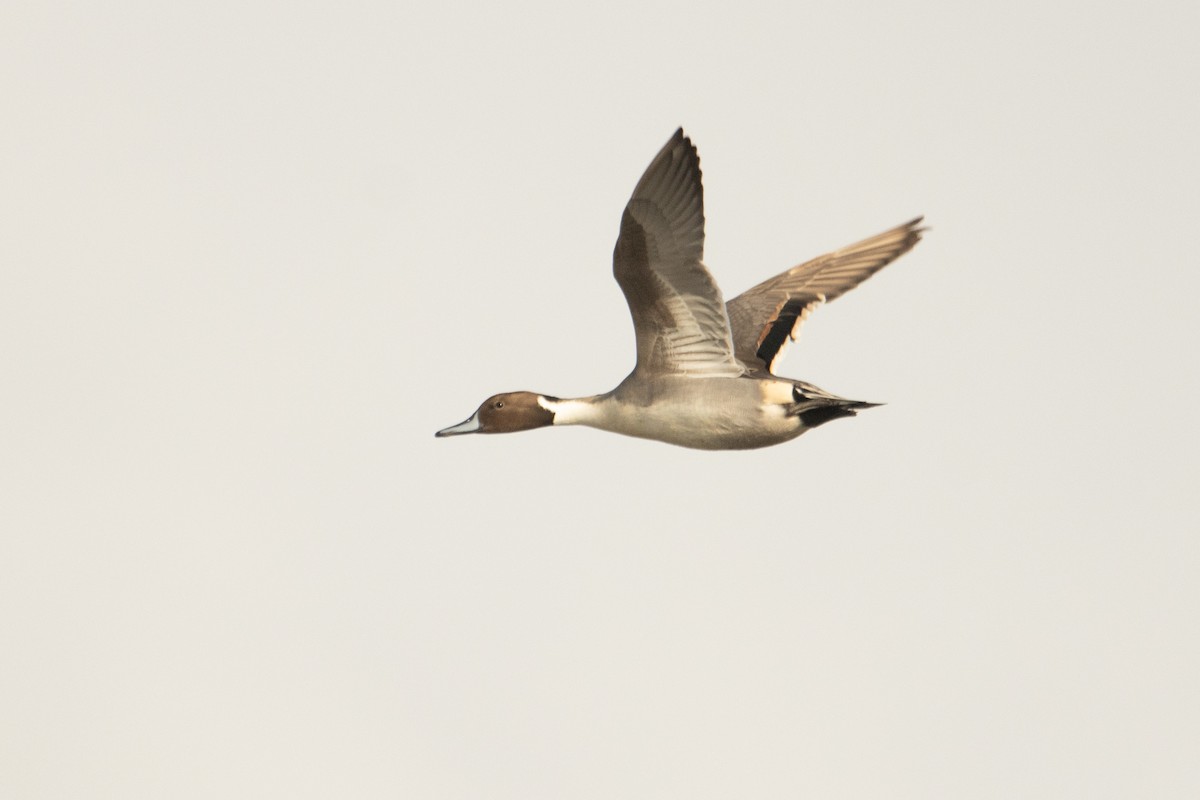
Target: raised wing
[(765, 318), (678, 312)]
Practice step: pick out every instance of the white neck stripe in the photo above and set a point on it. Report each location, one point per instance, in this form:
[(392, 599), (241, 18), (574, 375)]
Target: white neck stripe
[(572, 411)]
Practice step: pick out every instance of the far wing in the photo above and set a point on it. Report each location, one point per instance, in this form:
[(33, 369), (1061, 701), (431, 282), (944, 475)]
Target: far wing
[(763, 319)]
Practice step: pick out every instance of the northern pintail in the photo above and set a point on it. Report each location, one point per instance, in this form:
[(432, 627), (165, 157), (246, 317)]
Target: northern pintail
[(705, 368)]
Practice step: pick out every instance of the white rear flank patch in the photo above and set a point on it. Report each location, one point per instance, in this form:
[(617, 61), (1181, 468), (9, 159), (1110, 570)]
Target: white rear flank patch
[(777, 393)]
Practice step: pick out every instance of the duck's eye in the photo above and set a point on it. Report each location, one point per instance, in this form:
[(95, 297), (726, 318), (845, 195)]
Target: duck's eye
[(498, 404)]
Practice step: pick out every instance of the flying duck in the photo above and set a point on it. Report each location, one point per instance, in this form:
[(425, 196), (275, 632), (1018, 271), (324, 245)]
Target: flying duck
[(705, 371)]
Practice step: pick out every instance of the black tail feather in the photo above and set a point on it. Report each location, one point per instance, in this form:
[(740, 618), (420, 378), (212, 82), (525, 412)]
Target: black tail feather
[(819, 415)]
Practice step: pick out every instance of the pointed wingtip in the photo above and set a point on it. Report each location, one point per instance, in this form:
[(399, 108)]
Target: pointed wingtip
[(679, 137)]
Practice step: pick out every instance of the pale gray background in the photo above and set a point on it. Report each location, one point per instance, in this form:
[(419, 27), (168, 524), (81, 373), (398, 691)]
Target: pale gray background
[(254, 254)]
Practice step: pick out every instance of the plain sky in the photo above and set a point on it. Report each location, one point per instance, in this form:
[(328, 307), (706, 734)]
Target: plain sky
[(252, 255)]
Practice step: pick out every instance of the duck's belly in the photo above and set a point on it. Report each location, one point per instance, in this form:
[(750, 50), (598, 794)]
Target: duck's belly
[(730, 415)]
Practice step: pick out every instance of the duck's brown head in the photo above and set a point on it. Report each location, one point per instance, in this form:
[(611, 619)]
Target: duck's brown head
[(505, 413)]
